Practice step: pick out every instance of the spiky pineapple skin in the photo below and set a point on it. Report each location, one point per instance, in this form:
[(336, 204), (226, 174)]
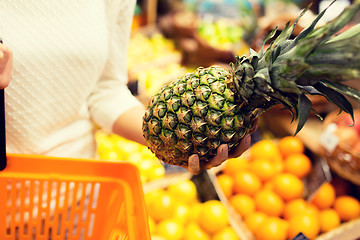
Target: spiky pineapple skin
[(194, 115)]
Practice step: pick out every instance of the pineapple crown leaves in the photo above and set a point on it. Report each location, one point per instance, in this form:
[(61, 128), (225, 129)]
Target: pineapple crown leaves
[(314, 62)]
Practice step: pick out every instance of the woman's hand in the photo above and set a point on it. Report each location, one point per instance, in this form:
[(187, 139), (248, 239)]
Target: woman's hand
[(6, 65), (195, 166)]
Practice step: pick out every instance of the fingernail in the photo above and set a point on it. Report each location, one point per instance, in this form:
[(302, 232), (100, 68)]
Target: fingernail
[(194, 163), (224, 151)]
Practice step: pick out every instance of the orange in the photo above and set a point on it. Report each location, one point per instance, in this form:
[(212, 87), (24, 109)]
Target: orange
[(263, 168), (324, 197), (290, 145), (288, 186), (246, 182), (243, 204), (194, 232), (269, 203), (347, 207), (293, 207), (213, 216), (226, 183), (234, 165), (304, 222), (312, 208), (329, 219), (228, 233), (298, 164), (299, 205), (184, 191), (170, 229), (273, 228), (279, 165), (254, 219), (264, 149)]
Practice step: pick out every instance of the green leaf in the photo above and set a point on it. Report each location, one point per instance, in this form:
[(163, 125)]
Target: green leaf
[(271, 35), (355, 30), (306, 43), (329, 72), (305, 107), (287, 101), (335, 97), (310, 28), (275, 53), (343, 53), (347, 90), (309, 89)]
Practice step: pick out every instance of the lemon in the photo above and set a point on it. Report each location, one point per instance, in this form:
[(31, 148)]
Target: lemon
[(161, 206), (170, 229), (194, 232), (182, 212), (184, 191), (213, 216)]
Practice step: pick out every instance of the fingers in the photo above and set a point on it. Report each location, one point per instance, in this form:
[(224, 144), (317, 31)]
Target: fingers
[(255, 125), (243, 146), (194, 164), (195, 167), (221, 156)]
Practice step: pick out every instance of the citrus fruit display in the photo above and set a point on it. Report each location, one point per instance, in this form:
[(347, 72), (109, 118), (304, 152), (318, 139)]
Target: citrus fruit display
[(176, 213), (114, 147), (144, 49), (266, 188)]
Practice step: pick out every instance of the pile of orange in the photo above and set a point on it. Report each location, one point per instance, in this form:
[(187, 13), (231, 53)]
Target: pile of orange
[(175, 213), (266, 188)]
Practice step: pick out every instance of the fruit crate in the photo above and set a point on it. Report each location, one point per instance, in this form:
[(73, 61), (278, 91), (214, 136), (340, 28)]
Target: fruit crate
[(347, 230), (186, 206), (74, 199), (343, 158)]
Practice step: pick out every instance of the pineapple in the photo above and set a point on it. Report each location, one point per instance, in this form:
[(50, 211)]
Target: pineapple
[(211, 106)]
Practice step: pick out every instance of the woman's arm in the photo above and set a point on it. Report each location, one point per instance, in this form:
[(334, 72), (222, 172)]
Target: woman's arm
[(129, 125)]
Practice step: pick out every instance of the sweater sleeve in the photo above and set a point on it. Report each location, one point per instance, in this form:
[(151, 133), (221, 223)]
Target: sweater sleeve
[(111, 96)]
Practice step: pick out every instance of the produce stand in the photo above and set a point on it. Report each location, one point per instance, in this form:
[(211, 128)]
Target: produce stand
[(182, 24), (130, 194)]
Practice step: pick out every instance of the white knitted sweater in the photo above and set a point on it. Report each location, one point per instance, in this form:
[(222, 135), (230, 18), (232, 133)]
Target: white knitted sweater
[(69, 73)]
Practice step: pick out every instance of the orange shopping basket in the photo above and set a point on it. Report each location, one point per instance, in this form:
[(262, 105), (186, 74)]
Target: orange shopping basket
[(47, 198), (43, 198)]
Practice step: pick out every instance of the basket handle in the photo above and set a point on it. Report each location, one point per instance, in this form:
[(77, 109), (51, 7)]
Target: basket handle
[(3, 160)]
